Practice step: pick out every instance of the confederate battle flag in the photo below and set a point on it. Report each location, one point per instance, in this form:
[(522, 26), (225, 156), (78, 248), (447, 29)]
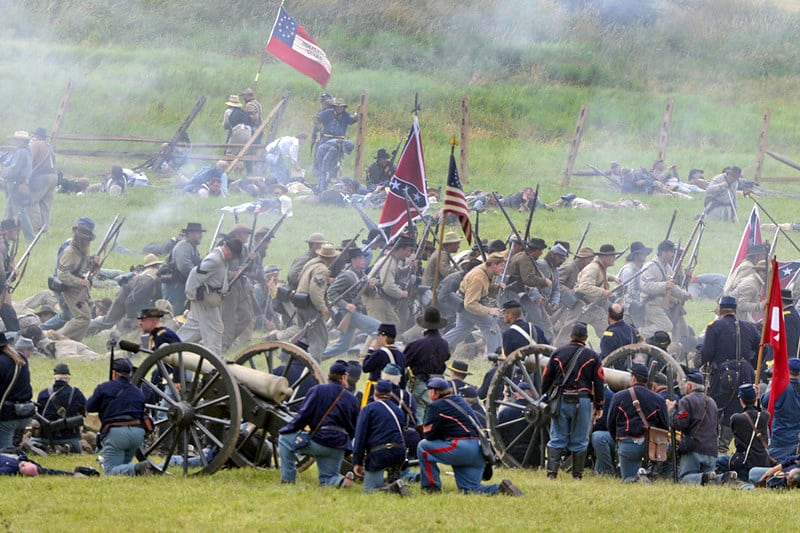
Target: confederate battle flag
[(290, 43), (408, 191)]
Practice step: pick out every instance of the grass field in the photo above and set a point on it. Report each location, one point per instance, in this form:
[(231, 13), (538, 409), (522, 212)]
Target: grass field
[(527, 67)]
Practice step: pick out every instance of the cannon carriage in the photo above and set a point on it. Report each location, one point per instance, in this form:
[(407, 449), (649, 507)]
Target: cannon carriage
[(210, 413), (520, 434)]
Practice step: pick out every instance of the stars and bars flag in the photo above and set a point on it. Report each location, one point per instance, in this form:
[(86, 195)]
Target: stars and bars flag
[(290, 43), (787, 273), (408, 191), (774, 335), (454, 200), (750, 236)]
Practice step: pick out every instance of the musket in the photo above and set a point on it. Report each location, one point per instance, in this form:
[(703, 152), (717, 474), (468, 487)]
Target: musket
[(605, 175), (342, 257), (412, 229), (216, 232), (693, 257), (478, 235), (252, 231), (592, 305), (412, 272), (106, 247), (508, 219), (583, 237), (374, 271), (666, 300), (266, 238), (22, 264), (530, 213), (671, 223), (672, 439), (395, 152)]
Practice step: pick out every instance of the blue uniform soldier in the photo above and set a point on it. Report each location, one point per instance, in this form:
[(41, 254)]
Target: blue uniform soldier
[(17, 408), (581, 386), (379, 446), (625, 423), (330, 410), (65, 405), (120, 405), (451, 437), (729, 349), (618, 333)]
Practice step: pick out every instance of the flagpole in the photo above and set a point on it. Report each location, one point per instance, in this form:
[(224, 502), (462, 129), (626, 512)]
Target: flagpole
[(749, 194), (767, 316), (453, 143)]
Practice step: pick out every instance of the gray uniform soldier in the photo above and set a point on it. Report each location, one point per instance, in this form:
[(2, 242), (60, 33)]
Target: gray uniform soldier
[(182, 259), (385, 302), (238, 315), (720, 202), (631, 293), (548, 266), (16, 175), (205, 287), (748, 293), (527, 280), (450, 244), (661, 296), (315, 242), (73, 265), (593, 291), (314, 282)]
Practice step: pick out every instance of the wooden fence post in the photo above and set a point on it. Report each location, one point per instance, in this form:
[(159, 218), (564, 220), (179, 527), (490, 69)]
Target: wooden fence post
[(358, 165), (663, 138), (464, 150), (60, 116), (762, 144), (574, 145)]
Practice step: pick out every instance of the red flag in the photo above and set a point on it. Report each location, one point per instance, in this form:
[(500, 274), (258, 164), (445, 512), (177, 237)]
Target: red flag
[(455, 202), (750, 236), (408, 182), (290, 43), (788, 272), (775, 335)]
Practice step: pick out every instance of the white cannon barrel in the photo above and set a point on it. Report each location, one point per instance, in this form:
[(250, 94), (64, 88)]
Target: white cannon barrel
[(263, 384), (617, 380)]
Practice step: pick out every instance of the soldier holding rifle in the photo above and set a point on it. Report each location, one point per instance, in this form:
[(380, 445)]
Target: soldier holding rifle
[(9, 239), (661, 295), (312, 307), (74, 266)]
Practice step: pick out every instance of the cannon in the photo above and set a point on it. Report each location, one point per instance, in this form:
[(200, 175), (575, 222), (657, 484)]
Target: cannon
[(228, 411), (520, 435)]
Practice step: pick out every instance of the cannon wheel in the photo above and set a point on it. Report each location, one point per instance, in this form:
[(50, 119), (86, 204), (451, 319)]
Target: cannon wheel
[(624, 356), (267, 357), (523, 365), (206, 410)]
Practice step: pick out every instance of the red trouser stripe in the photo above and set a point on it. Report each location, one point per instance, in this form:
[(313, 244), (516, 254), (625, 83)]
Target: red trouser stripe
[(430, 452)]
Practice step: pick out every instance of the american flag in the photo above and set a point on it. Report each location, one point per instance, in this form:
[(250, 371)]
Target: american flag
[(454, 200), (290, 43)]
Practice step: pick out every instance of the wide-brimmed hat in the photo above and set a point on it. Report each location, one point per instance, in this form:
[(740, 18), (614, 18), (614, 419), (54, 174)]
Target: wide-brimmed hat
[(339, 102), (151, 260), (638, 247), (382, 154), (40, 133), (536, 243), (459, 367), (327, 250), (193, 226), (451, 237), (352, 253), (431, 319), (247, 91), (607, 249), (233, 101), (150, 313), (584, 253), (22, 135)]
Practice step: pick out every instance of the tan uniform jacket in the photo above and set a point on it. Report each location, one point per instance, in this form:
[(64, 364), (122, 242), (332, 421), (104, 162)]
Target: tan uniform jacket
[(592, 281), (568, 275), (445, 268), (748, 296), (314, 282), (475, 287), (73, 265), (523, 268)]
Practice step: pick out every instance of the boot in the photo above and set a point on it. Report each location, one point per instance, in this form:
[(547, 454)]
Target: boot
[(553, 462), (578, 461)]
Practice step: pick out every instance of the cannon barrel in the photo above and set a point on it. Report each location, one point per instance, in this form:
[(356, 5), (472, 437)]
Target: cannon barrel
[(266, 386), (617, 380)]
